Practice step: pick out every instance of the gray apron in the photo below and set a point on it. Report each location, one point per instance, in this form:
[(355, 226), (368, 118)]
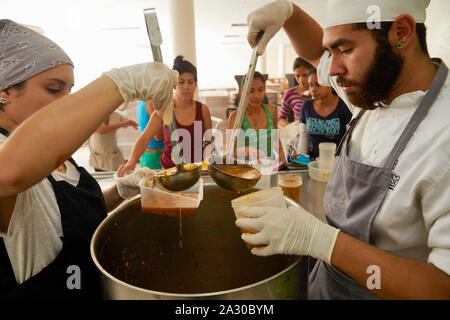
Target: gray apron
[(354, 195)]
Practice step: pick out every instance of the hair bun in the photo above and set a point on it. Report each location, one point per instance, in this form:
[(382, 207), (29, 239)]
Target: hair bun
[(182, 65), (179, 59)]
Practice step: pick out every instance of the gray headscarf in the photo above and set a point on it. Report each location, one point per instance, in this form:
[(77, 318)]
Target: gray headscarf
[(25, 53)]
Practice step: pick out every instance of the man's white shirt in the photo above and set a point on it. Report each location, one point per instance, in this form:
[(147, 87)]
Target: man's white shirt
[(414, 219)]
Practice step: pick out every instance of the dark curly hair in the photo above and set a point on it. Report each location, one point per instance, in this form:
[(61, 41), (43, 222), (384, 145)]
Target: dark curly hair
[(183, 66), (301, 63)]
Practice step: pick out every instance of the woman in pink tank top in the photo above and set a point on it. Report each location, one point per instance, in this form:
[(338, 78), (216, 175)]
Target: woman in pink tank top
[(192, 119), (193, 150)]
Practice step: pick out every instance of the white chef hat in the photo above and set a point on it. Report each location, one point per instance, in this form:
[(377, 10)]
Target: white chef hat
[(341, 12)]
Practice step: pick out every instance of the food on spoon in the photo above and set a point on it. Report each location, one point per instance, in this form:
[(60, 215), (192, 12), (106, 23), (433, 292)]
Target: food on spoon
[(173, 170), (149, 178), (242, 172), (190, 166)]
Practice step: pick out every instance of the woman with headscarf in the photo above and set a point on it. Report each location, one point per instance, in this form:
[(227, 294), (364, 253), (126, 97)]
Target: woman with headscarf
[(49, 206), (192, 119)]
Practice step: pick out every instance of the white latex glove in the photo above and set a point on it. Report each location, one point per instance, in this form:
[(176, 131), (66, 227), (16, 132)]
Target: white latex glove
[(147, 81), (292, 231), (269, 19), (128, 186)]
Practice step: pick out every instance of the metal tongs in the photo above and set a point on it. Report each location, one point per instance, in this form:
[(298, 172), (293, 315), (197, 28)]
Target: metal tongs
[(220, 168), (182, 179), (243, 101)]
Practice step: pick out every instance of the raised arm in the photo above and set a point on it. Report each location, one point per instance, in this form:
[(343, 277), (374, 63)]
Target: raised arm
[(304, 32), (45, 135), (306, 35), (116, 126), (154, 127)]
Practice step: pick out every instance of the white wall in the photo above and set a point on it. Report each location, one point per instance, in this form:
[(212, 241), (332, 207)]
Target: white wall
[(85, 30), (86, 35), (438, 26)]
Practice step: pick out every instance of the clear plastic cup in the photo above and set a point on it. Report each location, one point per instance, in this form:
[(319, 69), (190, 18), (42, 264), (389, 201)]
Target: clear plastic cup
[(272, 197), (290, 184), (326, 155)]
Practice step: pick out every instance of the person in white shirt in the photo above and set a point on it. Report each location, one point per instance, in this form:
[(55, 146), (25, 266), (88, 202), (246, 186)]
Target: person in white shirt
[(49, 206), (105, 153), (387, 202)]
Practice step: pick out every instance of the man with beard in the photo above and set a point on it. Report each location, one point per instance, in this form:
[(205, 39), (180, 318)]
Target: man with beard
[(387, 202)]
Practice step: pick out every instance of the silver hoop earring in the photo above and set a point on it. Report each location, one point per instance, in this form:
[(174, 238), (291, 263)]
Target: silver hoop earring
[(3, 100)]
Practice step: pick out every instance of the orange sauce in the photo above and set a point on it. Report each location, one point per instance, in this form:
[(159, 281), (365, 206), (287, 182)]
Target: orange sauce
[(291, 186), (172, 212), (173, 170), (292, 192), (169, 207), (245, 173), (180, 243)]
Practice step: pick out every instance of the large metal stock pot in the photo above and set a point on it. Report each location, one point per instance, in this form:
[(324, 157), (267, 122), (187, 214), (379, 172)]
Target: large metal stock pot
[(139, 256)]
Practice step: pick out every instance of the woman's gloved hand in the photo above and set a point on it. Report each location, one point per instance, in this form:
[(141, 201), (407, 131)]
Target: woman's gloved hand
[(269, 19), (147, 81), (126, 168), (128, 186), (292, 231)]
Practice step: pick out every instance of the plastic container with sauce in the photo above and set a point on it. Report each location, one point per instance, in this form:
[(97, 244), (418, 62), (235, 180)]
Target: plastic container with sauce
[(183, 203), (290, 184)]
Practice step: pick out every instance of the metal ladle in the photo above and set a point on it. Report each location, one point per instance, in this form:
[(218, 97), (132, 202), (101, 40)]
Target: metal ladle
[(183, 178), (226, 171), (233, 176)]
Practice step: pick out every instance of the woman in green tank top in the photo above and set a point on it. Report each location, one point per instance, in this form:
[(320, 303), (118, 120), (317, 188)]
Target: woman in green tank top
[(259, 124)]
